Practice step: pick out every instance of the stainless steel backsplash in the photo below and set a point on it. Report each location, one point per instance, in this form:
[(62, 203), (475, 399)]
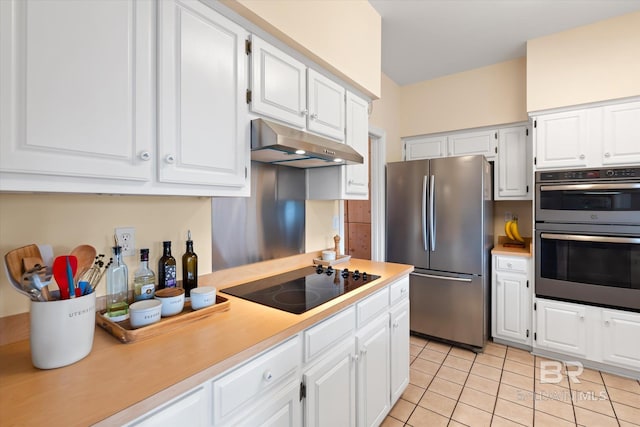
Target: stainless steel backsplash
[(269, 224)]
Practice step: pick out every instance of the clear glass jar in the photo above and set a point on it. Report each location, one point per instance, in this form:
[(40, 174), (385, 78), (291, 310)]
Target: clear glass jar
[(117, 287)]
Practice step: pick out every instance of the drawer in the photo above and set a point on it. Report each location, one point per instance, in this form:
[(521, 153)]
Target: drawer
[(246, 383), (319, 338), (399, 290), (372, 306), (518, 264)]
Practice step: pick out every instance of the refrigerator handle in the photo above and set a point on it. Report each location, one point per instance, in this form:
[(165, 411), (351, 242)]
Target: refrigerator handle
[(432, 213), (424, 212)]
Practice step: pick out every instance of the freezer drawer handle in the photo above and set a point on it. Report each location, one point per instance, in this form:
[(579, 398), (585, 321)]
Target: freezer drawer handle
[(431, 276)]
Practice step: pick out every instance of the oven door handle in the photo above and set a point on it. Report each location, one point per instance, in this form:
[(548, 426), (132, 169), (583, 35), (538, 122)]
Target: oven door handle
[(577, 187), (585, 238)]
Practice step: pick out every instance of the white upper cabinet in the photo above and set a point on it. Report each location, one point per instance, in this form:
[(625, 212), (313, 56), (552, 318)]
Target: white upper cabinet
[(284, 89), (589, 137), (621, 143), (428, 147), (513, 173), (326, 102), (357, 176), (561, 140), (77, 91), (202, 114), (469, 143), (278, 84)]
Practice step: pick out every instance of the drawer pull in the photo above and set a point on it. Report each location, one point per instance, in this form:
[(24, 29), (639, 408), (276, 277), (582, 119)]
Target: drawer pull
[(268, 376), (509, 265)]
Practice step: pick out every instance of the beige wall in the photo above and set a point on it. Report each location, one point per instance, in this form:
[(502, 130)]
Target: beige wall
[(386, 115), (345, 37), (485, 96), (591, 63), (520, 208), (67, 220), (319, 224)]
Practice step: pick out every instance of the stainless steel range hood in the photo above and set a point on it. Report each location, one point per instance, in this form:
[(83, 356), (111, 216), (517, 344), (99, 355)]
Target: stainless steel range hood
[(286, 146)]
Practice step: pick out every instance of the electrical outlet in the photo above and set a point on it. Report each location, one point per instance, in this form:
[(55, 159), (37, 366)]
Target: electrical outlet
[(127, 239), (508, 216)]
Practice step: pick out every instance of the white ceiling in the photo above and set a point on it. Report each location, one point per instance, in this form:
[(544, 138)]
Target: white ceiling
[(425, 39)]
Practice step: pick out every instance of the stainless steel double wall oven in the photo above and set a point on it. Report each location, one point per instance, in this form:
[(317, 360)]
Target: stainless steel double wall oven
[(588, 236)]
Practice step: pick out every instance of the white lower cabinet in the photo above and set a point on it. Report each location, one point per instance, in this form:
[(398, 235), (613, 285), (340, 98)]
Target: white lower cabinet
[(596, 334), (511, 299), (280, 409), (621, 338), (373, 372), (561, 327), (399, 348), (330, 388), (190, 409)]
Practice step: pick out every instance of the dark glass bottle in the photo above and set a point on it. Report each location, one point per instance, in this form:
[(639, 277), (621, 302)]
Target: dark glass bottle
[(167, 268), (189, 267)]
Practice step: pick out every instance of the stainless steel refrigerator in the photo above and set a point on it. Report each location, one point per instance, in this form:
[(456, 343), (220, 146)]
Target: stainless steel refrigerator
[(439, 219)]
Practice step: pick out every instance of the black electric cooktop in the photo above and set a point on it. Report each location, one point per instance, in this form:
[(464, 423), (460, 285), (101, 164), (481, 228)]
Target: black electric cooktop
[(301, 290)]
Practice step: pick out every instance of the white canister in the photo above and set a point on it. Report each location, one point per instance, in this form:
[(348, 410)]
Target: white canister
[(62, 331), (328, 255)]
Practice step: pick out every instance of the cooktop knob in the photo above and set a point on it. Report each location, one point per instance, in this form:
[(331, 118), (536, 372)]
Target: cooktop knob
[(345, 273), (356, 274), (364, 275), (319, 269), (329, 271)]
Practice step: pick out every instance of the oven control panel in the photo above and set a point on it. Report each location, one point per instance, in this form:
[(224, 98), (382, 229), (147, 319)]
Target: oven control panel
[(588, 174)]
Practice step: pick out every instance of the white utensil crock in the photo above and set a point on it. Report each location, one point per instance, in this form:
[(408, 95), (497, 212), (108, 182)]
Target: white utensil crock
[(62, 331)]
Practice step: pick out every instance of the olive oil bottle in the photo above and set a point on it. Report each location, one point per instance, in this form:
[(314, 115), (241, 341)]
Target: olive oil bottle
[(167, 268), (117, 287), (189, 268)]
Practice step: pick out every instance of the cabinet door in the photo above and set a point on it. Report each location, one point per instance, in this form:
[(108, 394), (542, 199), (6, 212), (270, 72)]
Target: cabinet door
[(425, 148), (621, 130), (357, 126), (373, 373), (621, 338), (325, 100), (203, 122), (561, 327), (399, 350), (561, 140), (280, 409), (331, 389), (278, 84), (513, 166), (77, 90), (512, 307), (468, 143), (191, 409)]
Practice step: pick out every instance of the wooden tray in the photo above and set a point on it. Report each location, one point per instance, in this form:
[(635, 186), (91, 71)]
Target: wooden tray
[(338, 260), (126, 334)]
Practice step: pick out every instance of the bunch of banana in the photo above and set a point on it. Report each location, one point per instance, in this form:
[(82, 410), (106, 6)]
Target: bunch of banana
[(511, 229)]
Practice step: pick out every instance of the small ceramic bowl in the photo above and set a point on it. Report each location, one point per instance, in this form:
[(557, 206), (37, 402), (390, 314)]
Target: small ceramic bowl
[(172, 300), (143, 313), (202, 297), (328, 255)]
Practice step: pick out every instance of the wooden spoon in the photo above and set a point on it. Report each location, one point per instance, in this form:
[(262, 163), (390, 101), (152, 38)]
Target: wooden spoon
[(86, 255)]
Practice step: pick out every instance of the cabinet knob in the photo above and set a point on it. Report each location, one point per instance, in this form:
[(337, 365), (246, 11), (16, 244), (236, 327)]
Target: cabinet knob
[(314, 116), (582, 317), (606, 322), (501, 189), (304, 112), (607, 154), (145, 155), (403, 291), (171, 159), (582, 156), (354, 358), (268, 376), (396, 324), (363, 351), (509, 265)]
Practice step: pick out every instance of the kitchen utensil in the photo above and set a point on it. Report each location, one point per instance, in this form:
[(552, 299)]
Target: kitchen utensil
[(86, 255), (33, 283), (64, 268), (14, 265), (44, 274)]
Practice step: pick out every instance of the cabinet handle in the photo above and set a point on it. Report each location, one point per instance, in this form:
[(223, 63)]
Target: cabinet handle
[(314, 116), (501, 189), (403, 291), (582, 156), (359, 184), (607, 154), (145, 155), (304, 112), (363, 351), (171, 159), (268, 376), (509, 265), (396, 324)]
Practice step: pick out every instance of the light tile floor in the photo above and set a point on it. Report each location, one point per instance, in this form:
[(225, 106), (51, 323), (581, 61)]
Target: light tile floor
[(450, 386)]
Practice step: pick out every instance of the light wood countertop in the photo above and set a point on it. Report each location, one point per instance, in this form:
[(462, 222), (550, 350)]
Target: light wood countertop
[(117, 382)]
